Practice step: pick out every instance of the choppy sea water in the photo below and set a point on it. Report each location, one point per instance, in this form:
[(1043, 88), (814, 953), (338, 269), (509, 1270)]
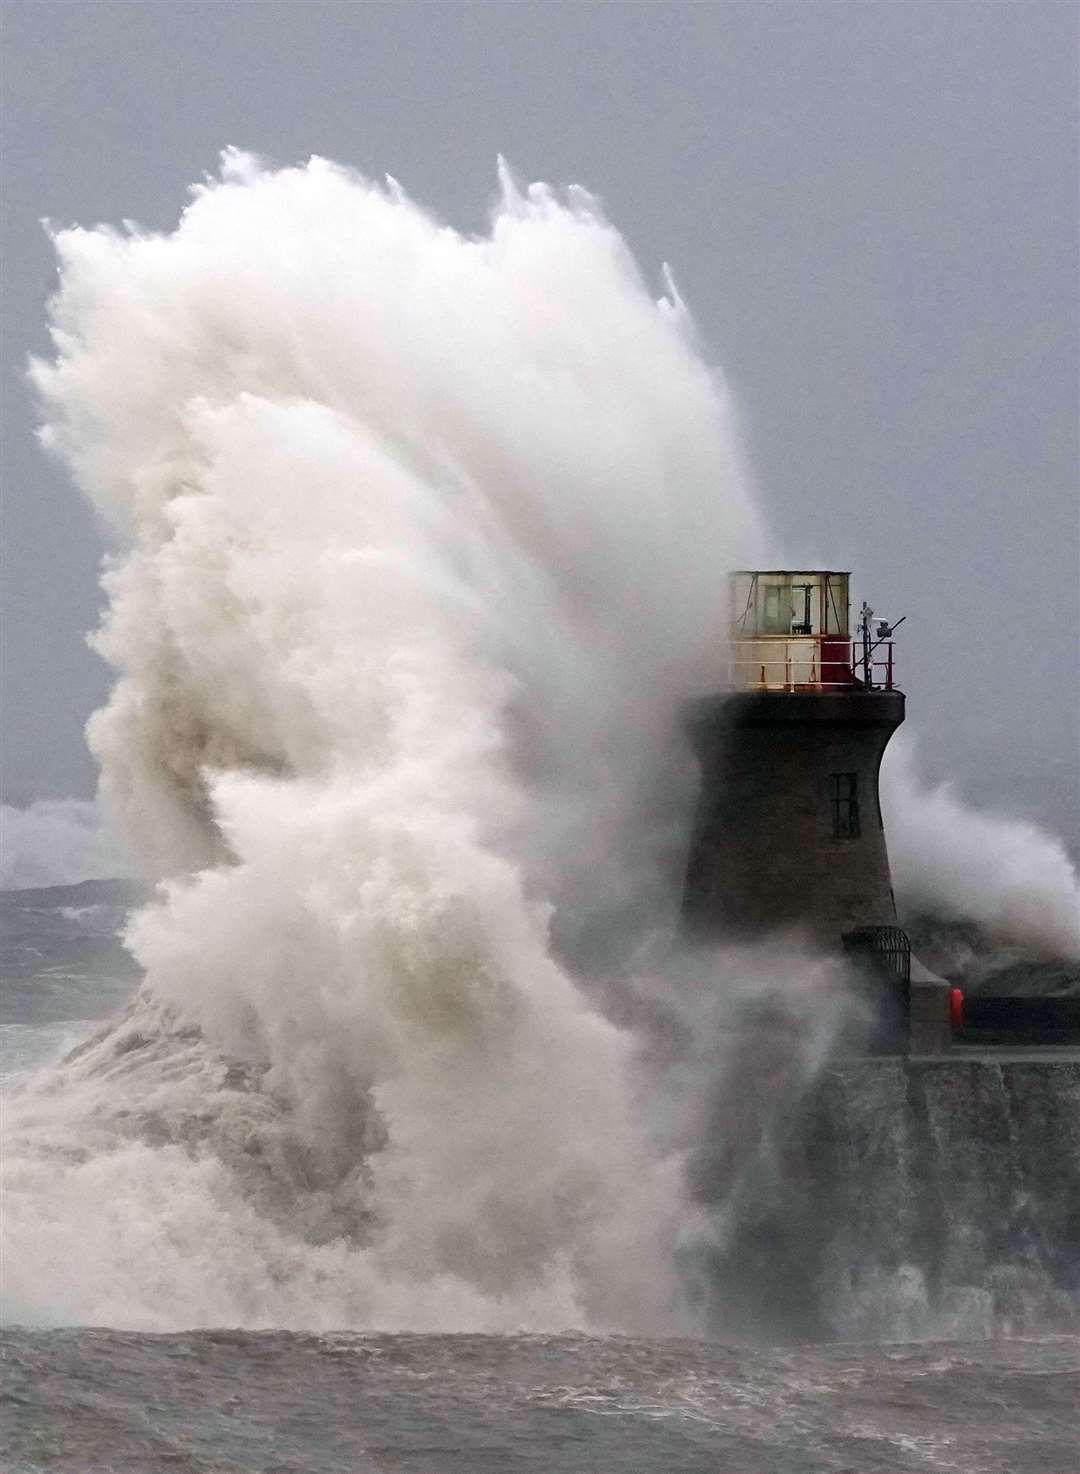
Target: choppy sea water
[(99, 1400), (63, 967)]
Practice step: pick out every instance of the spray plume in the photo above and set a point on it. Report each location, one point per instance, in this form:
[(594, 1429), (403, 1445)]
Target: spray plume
[(1011, 878), (420, 540)]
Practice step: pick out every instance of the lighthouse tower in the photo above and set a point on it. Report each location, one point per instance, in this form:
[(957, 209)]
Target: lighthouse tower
[(788, 831)]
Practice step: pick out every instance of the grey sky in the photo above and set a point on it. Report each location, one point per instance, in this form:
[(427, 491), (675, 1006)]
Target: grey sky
[(871, 209)]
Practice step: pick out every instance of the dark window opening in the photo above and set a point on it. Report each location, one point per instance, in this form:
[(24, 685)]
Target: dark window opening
[(844, 793)]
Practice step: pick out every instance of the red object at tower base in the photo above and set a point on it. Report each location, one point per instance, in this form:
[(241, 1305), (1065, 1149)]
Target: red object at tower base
[(956, 1009)]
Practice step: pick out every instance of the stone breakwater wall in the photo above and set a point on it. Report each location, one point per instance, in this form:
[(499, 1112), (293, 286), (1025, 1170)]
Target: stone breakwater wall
[(910, 1198)]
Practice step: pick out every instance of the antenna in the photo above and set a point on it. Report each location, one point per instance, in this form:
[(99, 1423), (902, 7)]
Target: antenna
[(866, 614)]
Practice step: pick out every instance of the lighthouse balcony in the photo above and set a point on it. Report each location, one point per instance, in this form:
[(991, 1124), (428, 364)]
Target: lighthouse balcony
[(809, 663)]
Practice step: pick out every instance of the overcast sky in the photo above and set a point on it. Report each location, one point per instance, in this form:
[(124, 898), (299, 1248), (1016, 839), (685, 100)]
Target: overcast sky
[(871, 209)]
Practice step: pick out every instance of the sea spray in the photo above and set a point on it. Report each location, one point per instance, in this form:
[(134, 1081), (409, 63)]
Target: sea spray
[(1009, 877), (55, 842), (420, 540)]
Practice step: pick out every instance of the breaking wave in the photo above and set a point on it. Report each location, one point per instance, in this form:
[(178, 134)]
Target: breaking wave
[(419, 542)]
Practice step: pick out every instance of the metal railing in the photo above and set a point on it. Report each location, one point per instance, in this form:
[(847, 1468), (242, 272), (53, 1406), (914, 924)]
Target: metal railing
[(809, 663)]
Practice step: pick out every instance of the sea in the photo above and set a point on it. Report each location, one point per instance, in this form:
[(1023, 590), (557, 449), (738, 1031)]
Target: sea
[(88, 1398)]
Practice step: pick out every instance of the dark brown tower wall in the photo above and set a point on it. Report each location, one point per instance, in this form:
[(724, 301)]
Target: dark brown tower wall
[(765, 853)]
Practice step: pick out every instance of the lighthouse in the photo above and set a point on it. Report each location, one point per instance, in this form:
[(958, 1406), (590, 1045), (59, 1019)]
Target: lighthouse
[(788, 830), (788, 833)]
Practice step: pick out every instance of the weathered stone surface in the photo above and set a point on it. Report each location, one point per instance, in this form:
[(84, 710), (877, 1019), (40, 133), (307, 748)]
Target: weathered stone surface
[(907, 1198), (764, 854)]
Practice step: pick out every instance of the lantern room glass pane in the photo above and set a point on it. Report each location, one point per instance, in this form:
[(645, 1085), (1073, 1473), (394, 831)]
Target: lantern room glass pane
[(775, 608), (836, 604)]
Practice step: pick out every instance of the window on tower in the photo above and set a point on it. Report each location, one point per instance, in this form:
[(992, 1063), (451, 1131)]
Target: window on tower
[(844, 793)]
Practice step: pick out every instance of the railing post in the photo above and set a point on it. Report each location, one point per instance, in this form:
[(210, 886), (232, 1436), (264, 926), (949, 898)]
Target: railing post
[(888, 667)]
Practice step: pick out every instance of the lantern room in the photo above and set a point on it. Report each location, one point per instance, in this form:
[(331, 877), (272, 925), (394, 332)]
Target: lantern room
[(790, 631), (778, 602)]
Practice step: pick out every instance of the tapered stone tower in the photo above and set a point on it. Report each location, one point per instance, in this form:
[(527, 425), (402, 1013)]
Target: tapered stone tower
[(788, 831)]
